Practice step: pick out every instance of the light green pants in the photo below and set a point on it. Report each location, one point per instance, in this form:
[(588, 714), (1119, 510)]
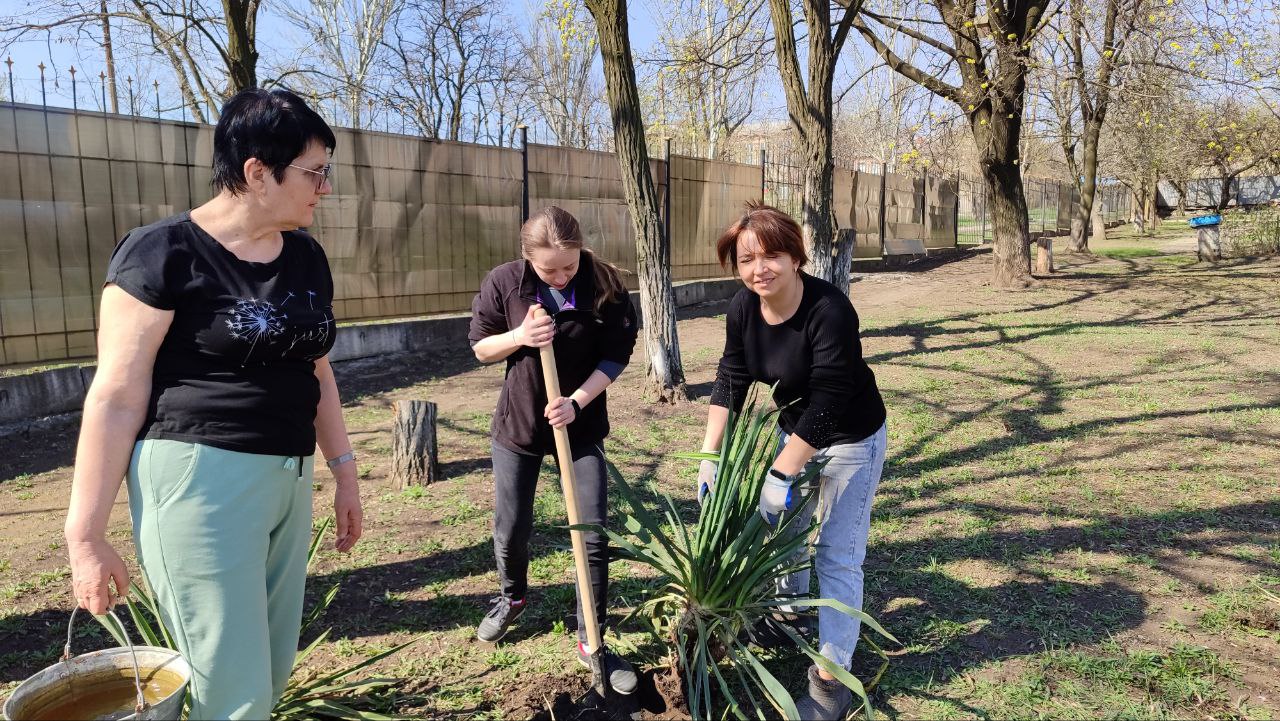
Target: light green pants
[(222, 538)]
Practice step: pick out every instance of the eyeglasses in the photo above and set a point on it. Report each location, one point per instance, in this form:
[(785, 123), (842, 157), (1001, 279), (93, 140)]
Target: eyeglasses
[(324, 173)]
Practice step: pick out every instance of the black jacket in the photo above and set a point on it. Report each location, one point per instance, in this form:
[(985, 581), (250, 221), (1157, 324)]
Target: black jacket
[(583, 339)]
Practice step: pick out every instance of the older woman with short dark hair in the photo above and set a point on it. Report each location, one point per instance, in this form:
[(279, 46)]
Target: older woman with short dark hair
[(213, 390), (799, 334)]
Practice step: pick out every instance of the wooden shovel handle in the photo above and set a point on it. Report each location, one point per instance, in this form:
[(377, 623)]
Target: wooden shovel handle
[(564, 453)]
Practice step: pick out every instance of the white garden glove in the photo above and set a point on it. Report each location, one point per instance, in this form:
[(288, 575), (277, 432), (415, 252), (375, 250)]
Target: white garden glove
[(706, 478), (777, 496)]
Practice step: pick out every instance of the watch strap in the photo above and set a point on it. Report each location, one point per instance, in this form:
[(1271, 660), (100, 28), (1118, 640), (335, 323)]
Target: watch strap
[(339, 460)]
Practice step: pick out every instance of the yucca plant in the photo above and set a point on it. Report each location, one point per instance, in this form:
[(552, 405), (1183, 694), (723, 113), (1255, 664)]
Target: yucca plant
[(309, 694), (717, 579)]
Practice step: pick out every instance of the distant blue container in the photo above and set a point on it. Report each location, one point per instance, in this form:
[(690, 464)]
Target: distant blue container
[(1201, 221)]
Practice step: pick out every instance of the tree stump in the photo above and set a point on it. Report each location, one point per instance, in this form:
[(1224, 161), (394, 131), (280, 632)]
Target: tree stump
[(1208, 244), (414, 454), (1044, 255)]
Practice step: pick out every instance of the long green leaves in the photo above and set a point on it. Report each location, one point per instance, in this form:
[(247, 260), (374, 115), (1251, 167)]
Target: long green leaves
[(717, 579)]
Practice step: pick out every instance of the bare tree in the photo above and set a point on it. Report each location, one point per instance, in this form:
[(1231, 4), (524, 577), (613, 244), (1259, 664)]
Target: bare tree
[(709, 57), (991, 54), (451, 60), (1086, 67), (653, 248), (346, 36), (1140, 130), (560, 52), (211, 49)]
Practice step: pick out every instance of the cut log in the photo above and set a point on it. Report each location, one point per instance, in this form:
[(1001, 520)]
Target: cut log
[(1044, 255), (414, 454)]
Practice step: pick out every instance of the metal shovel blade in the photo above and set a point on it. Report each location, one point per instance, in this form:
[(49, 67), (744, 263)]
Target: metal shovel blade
[(599, 675)]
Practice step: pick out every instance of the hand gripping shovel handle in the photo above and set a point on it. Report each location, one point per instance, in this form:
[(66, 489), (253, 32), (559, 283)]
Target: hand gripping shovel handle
[(551, 378)]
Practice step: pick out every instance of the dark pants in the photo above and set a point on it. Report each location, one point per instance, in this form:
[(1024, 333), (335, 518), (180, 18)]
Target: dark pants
[(515, 480)]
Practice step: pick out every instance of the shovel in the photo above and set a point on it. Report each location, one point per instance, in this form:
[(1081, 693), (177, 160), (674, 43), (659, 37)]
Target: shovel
[(599, 678)]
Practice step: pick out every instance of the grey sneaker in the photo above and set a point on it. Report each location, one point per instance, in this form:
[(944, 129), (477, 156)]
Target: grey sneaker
[(498, 620), (622, 678), (827, 700)]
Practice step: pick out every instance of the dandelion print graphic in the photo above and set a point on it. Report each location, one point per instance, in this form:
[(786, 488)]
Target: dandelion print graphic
[(254, 320)]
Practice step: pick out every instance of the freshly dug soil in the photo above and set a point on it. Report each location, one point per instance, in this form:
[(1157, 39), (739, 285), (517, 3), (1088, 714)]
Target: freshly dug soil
[(659, 697)]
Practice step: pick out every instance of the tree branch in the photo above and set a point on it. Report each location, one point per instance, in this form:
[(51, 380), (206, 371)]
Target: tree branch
[(906, 69)]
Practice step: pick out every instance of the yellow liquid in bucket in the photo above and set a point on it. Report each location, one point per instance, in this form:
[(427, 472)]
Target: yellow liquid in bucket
[(104, 698)]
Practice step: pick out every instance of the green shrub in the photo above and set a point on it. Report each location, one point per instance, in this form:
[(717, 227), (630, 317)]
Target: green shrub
[(1251, 233)]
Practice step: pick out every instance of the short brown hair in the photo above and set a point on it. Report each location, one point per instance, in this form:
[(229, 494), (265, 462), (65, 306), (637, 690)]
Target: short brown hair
[(555, 227), (775, 230)]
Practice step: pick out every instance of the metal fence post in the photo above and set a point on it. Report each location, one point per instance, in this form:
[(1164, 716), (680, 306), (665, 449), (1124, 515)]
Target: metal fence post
[(666, 200), (926, 216), (44, 100), (9, 61), (524, 173), (955, 216), (75, 105), (103, 78), (884, 175), (764, 165), (982, 226)]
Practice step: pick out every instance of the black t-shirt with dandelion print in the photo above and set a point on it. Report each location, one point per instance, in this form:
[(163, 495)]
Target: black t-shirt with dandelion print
[(236, 369)]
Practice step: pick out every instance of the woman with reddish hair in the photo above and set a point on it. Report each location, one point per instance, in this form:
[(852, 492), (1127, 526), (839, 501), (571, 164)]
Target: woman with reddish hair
[(799, 334)]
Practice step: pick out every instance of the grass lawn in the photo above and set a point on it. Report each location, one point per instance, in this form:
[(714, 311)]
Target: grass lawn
[(1079, 516)]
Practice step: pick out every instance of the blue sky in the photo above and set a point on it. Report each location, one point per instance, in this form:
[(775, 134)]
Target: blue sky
[(59, 56)]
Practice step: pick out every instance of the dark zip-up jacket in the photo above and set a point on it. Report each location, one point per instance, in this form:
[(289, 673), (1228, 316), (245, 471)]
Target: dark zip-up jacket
[(583, 339)]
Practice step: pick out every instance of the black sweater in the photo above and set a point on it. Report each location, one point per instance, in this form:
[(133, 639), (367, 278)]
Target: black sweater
[(827, 391), (584, 338)]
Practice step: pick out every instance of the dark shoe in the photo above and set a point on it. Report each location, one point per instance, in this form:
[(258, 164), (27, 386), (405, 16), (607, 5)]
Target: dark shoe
[(622, 678), (498, 620), (768, 632), (827, 700)]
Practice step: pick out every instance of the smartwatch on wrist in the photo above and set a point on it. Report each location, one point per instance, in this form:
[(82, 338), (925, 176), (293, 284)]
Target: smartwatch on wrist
[(790, 480)]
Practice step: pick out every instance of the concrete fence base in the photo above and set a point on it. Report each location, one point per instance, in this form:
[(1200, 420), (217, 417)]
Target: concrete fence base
[(34, 395)]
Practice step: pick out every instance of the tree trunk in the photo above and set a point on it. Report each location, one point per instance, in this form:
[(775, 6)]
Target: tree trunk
[(1079, 228), (1088, 189), (653, 249), (1182, 197), (1224, 194), (845, 239), (414, 454), (242, 52), (1099, 221), (815, 225), (1011, 253), (111, 58)]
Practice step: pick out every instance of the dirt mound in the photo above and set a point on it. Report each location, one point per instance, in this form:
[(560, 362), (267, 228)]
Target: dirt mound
[(659, 697)]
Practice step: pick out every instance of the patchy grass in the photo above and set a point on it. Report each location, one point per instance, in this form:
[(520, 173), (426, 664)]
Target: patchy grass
[(1078, 515), (1121, 253)]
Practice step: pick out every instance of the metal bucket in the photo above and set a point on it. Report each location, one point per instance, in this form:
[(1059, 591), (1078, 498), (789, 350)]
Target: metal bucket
[(138, 682)]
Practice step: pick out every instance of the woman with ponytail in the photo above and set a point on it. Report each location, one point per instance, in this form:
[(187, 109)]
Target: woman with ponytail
[(592, 327)]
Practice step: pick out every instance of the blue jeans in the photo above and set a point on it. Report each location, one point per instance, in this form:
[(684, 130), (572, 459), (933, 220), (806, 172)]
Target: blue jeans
[(846, 489)]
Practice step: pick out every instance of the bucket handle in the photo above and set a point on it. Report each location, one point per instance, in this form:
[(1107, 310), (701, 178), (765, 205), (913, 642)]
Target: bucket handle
[(141, 704)]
